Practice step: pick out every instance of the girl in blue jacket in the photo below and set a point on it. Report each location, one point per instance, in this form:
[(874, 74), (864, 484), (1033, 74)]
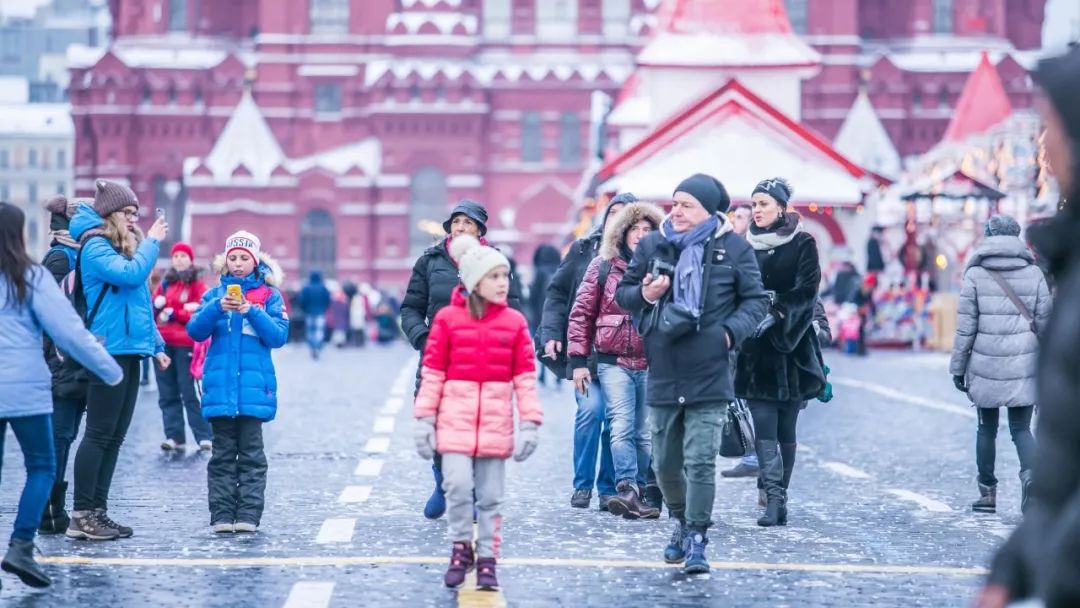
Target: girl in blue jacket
[(113, 266), (32, 303), (245, 318)]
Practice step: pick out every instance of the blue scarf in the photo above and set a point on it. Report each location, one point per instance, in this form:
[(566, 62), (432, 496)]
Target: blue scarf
[(690, 267)]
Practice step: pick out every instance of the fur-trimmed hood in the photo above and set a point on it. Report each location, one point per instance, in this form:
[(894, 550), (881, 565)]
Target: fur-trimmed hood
[(615, 232), (275, 276)]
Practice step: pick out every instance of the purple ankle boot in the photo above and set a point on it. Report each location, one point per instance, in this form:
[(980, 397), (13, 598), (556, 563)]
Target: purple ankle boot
[(485, 574), (461, 562)]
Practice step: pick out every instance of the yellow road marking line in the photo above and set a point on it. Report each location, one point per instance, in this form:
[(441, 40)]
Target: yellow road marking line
[(419, 560), (468, 596)]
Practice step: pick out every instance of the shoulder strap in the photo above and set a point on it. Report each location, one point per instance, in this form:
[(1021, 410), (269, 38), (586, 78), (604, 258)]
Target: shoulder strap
[(1017, 302), (601, 282), (77, 290), (705, 276)]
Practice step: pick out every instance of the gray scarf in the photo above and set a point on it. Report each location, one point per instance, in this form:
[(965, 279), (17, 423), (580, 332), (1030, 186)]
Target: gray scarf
[(64, 238)]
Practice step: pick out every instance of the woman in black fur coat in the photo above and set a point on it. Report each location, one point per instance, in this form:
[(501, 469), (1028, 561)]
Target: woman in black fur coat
[(778, 368)]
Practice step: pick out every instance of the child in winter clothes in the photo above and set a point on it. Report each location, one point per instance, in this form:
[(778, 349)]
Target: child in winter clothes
[(478, 357), (239, 384)]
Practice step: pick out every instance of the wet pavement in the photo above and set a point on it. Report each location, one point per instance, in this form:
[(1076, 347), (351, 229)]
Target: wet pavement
[(879, 511)]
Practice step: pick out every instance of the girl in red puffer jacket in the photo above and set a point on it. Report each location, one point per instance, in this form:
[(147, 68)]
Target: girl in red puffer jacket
[(478, 358), (175, 299)]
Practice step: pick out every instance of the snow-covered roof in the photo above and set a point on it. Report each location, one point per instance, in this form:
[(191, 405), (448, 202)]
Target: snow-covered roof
[(14, 89), (739, 138), (863, 139), (246, 140), (941, 54), (485, 73), (20, 9), (365, 154), (982, 104), (430, 3), (446, 22), (174, 51), (37, 119)]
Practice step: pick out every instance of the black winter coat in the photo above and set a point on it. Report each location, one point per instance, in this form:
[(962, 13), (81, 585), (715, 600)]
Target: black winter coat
[(695, 369), (64, 386), (563, 287), (783, 364), (434, 277)]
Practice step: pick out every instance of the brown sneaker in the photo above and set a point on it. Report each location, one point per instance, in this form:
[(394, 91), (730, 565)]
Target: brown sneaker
[(628, 504), (89, 526)]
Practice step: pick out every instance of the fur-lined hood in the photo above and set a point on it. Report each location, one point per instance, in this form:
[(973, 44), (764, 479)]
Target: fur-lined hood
[(275, 276), (617, 227)]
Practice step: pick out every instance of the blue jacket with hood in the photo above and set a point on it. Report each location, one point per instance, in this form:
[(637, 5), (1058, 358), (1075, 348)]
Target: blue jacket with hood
[(126, 318), (315, 297), (238, 376)]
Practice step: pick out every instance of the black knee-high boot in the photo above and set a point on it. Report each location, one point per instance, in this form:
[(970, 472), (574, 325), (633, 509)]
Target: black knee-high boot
[(772, 478)]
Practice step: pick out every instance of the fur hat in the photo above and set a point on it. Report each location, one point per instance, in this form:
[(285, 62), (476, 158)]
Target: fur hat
[(110, 197), (246, 241), (475, 260), (60, 205), (620, 223)]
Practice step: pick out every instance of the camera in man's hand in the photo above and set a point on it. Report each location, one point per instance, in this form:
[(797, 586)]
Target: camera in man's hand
[(658, 267)]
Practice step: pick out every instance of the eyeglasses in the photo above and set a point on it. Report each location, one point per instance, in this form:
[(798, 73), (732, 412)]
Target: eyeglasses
[(131, 215)]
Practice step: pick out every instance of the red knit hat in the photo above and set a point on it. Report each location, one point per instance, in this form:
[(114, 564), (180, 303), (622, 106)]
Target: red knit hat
[(183, 247)]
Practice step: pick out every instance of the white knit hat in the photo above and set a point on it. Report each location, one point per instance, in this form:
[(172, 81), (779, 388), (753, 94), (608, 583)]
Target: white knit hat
[(246, 241), (475, 260)]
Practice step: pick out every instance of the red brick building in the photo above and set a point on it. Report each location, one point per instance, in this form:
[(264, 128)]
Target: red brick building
[(341, 130)]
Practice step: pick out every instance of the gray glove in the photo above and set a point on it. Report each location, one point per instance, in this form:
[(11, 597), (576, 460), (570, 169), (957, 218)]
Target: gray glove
[(528, 437), (424, 436)]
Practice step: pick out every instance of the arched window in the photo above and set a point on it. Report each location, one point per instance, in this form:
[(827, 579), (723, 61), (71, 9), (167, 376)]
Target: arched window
[(496, 18), (178, 16), (427, 208), (796, 10), (943, 16), (329, 16), (318, 243), (532, 150), (556, 19), (569, 139), (616, 18)]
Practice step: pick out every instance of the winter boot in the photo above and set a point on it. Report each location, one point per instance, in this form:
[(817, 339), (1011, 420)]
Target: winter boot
[(20, 562), (627, 503), (1025, 489), (603, 501), (485, 574), (695, 555), (436, 504), (787, 453), (124, 531), (675, 552), (461, 563), (987, 502), (653, 497), (55, 520), (581, 499), (87, 525), (772, 478)]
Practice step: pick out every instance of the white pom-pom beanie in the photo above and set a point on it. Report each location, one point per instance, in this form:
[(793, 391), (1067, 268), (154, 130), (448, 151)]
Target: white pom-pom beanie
[(475, 260)]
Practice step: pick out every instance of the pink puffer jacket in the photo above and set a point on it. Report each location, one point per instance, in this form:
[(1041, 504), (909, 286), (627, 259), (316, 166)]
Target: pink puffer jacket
[(472, 370)]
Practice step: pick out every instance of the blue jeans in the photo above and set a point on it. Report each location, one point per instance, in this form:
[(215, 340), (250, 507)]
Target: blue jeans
[(631, 442), (35, 437), (315, 330), (592, 432)]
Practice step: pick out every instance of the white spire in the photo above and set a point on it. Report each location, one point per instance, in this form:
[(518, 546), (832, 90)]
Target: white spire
[(246, 140), (864, 140)]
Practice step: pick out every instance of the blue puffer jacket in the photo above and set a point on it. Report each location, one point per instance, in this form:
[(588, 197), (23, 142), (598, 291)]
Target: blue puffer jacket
[(126, 317), (238, 377), (25, 383)]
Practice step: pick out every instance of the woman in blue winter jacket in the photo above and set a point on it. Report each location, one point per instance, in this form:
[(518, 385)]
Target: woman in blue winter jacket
[(31, 303), (245, 318), (112, 268)]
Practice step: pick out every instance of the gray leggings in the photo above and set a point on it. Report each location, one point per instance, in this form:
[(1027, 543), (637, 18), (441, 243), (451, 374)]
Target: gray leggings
[(462, 476)]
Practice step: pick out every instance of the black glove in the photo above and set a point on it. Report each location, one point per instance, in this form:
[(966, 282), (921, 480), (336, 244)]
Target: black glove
[(959, 382), (766, 323)]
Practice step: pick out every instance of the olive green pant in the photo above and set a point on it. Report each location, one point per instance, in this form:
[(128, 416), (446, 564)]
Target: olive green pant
[(686, 440)]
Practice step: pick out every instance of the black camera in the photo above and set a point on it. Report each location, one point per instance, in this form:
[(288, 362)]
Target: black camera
[(659, 267)]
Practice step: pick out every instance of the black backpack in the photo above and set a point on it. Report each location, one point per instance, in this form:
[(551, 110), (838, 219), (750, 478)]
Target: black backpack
[(560, 365), (70, 379)]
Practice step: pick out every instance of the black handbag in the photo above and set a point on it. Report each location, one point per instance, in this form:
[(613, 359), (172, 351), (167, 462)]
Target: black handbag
[(737, 434), (676, 320)]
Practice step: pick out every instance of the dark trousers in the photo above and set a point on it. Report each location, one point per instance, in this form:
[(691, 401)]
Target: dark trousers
[(66, 418), (34, 434), (108, 416), (176, 393), (775, 420), (236, 473), (986, 440)]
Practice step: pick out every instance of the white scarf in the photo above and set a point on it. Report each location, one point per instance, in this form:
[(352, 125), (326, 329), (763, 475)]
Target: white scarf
[(771, 240)]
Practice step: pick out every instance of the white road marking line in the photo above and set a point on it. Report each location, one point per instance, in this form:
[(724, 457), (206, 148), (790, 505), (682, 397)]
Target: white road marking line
[(891, 393), (369, 467), (393, 405), (846, 470), (377, 445), (336, 531), (935, 506), (354, 494), (384, 424), (310, 594)]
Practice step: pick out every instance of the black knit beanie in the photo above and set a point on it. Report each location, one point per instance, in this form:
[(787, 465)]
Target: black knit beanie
[(777, 187), (708, 191)]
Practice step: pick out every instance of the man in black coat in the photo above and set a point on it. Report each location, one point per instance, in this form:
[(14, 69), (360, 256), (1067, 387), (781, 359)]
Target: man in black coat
[(712, 276), (590, 422), (1042, 558)]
